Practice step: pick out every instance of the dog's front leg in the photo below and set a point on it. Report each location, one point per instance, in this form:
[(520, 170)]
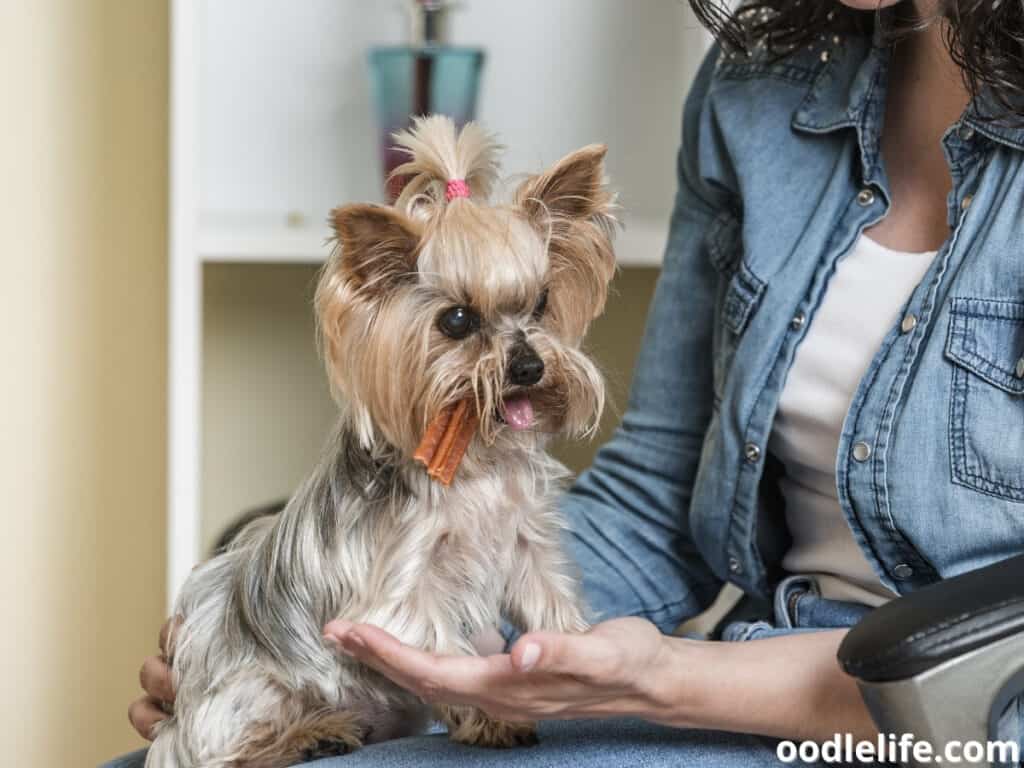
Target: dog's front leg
[(540, 592)]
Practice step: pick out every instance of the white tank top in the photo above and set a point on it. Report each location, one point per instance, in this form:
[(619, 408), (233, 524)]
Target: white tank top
[(863, 301)]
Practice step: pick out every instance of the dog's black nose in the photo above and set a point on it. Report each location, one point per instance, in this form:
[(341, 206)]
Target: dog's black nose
[(525, 367)]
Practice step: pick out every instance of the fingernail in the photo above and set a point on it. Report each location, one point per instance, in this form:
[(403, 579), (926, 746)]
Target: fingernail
[(331, 641), (531, 654), (352, 642), (338, 627)]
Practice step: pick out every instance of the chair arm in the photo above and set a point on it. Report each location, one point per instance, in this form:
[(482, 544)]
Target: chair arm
[(919, 631)]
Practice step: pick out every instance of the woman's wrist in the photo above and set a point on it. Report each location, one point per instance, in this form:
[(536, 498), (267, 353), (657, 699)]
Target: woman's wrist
[(782, 687), (674, 689)]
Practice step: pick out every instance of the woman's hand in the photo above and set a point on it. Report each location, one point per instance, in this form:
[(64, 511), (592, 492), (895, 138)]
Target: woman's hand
[(611, 671), (783, 687), (155, 678)]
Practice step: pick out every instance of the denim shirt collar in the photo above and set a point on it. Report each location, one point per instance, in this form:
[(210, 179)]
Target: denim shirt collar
[(849, 92)]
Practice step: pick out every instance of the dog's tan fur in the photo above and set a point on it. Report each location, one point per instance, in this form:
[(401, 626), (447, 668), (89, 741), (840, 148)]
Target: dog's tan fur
[(368, 537)]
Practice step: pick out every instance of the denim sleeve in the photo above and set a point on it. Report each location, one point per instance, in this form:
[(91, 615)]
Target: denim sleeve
[(629, 512)]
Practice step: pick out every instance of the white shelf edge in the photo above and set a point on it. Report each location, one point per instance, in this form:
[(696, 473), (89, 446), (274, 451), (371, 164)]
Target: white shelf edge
[(640, 244), (185, 306)]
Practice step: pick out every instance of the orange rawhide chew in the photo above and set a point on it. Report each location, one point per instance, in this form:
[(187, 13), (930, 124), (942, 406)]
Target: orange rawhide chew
[(446, 441)]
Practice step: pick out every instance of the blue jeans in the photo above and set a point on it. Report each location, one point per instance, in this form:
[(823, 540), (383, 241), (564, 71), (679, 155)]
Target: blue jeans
[(607, 744)]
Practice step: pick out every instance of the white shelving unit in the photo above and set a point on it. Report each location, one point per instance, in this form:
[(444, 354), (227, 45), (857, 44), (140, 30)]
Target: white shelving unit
[(272, 125), (640, 245)]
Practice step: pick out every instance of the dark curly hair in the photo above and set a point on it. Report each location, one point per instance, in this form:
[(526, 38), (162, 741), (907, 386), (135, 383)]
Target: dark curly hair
[(985, 37)]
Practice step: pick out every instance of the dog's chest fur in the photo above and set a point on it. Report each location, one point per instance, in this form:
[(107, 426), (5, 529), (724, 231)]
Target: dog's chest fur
[(442, 557)]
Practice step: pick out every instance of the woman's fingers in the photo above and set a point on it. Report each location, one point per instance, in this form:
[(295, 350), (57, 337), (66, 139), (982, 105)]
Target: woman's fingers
[(386, 654), (435, 677), (165, 634), (550, 652), (155, 678), (548, 675), (143, 714)]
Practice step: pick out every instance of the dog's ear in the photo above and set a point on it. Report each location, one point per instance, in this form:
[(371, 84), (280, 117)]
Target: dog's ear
[(378, 246), (573, 208), (574, 188)]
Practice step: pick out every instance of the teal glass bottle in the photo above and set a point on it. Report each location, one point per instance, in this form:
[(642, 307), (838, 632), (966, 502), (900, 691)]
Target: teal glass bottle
[(428, 76)]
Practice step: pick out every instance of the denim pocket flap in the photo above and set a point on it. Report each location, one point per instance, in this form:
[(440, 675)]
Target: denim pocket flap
[(987, 338), (741, 299)]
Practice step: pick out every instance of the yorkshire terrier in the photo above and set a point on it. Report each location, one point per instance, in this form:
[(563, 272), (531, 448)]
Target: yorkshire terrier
[(451, 331)]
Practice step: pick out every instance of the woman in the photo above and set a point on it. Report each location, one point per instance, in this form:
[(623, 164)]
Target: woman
[(827, 409)]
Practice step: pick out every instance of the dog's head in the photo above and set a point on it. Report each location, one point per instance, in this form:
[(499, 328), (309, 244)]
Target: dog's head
[(445, 297)]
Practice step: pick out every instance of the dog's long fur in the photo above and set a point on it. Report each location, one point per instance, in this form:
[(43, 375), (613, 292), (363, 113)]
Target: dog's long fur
[(369, 537)]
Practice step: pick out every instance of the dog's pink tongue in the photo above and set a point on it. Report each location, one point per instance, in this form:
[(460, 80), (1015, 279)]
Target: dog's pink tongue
[(519, 412)]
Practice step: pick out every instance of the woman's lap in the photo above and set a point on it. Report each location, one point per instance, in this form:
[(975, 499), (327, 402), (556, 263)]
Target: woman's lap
[(584, 743)]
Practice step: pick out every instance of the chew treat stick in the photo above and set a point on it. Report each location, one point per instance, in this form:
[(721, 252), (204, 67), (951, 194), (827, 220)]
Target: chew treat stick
[(448, 438), (445, 469), (432, 438), (446, 441)]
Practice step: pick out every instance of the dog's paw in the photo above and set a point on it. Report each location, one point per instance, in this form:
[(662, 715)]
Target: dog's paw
[(501, 735), (473, 727), (311, 737), (328, 748)]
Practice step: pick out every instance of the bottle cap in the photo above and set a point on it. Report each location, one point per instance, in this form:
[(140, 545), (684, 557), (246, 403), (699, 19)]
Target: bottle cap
[(428, 21)]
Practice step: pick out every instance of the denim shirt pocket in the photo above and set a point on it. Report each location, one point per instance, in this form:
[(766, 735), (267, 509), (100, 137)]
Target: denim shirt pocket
[(986, 421), (739, 295)]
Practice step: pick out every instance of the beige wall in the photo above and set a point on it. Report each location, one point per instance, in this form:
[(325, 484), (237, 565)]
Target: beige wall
[(266, 408), (83, 184)]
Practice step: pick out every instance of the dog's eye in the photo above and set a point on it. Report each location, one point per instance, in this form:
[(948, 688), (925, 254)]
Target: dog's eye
[(458, 322), (542, 305)]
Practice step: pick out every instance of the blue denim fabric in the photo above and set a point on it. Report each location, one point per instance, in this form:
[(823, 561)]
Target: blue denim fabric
[(586, 744), (797, 606)]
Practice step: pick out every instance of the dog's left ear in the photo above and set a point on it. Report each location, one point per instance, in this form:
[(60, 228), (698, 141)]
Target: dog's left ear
[(572, 206)]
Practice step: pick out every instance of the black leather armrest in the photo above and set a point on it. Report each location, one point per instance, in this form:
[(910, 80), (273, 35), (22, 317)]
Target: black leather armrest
[(914, 633)]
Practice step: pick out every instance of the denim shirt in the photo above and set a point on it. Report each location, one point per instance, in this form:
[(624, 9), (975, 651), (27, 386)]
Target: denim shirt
[(780, 170)]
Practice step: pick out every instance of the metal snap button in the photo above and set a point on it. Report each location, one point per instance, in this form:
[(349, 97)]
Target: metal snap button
[(751, 453), (965, 132), (865, 197), (734, 565), (966, 202), (909, 323), (902, 571), (861, 451), (1019, 370), (798, 321)]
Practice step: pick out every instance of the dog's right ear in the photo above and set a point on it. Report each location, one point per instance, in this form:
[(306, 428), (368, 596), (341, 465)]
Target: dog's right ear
[(378, 245)]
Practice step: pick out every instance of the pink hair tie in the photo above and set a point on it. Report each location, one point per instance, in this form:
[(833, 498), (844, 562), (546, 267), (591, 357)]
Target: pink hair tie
[(456, 188)]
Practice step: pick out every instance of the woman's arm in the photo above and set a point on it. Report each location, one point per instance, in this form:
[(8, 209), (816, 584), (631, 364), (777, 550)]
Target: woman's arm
[(785, 687), (790, 686), (638, 490)]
